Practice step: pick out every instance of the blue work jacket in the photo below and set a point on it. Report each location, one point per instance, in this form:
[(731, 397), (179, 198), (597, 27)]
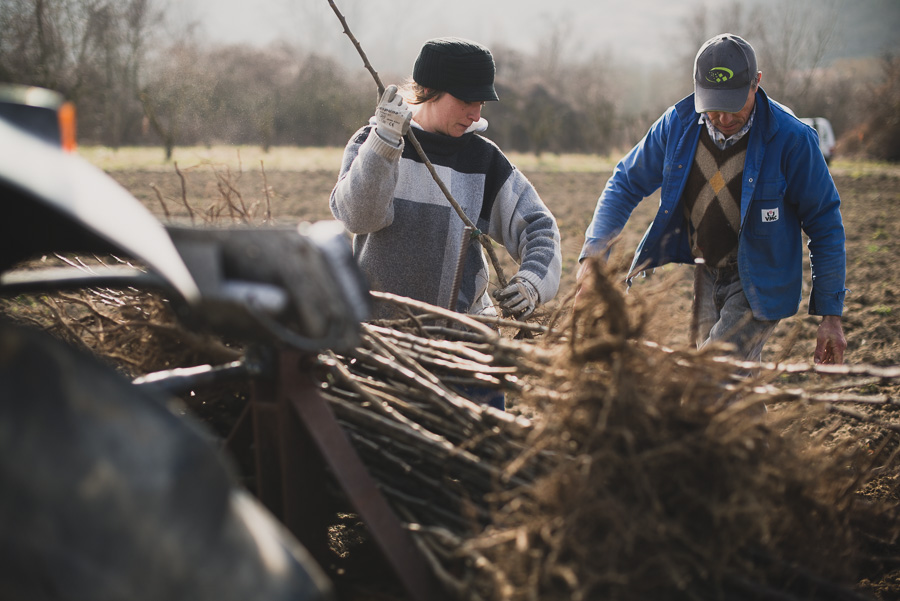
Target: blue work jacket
[(786, 190)]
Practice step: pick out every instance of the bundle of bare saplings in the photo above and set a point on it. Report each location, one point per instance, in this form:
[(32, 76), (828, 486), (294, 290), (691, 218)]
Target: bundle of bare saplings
[(623, 470)]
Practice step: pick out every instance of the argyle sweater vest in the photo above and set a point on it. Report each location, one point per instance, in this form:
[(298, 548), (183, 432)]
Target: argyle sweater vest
[(712, 201)]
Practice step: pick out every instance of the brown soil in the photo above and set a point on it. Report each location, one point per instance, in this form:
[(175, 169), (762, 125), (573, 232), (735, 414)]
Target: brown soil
[(870, 206), (871, 199), (870, 195)]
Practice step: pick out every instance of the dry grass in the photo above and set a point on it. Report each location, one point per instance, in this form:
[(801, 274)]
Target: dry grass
[(235, 158), (289, 158)]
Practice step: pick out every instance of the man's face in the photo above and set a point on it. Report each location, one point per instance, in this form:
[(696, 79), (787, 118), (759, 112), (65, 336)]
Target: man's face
[(731, 123)]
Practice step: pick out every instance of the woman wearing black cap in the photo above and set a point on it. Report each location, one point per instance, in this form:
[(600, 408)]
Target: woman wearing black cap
[(408, 239)]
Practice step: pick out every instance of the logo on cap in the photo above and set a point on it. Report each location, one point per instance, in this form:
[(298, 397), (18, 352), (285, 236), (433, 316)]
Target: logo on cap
[(719, 75)]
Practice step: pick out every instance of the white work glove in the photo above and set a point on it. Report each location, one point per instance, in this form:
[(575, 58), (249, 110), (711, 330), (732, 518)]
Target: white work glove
[(392, 116), (519, 298)]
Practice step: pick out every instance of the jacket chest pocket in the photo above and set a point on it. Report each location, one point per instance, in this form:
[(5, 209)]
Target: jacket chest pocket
[(766, 216)]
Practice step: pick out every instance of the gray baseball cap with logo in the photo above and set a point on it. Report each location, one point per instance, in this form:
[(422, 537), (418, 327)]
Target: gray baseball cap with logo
[(724, 70)]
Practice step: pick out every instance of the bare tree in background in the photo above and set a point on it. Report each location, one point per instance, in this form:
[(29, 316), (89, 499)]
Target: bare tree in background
[(878, 136), (177, 97), (91, 51), (791, 40), (36, 44), (557, 100), (792, 47), (136, 82), (255, 83), (125, 53)]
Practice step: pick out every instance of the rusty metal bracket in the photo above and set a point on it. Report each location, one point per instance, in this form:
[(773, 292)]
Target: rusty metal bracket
[(298, 442)]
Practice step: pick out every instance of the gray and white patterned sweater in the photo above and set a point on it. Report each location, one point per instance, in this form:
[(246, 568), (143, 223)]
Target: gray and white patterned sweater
[(407, 237)]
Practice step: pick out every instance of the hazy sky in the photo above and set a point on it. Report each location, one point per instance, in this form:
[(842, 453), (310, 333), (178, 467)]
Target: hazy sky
[(392, 31)]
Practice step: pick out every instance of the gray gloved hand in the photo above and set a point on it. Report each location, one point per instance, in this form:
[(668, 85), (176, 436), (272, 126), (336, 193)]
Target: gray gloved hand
[(392, 116), (519, 298)]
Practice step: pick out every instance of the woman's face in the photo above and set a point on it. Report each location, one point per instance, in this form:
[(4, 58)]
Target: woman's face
[(448, 115)]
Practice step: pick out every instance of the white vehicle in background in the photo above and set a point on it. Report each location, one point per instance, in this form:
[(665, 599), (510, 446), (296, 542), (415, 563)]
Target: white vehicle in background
[(826, 134)]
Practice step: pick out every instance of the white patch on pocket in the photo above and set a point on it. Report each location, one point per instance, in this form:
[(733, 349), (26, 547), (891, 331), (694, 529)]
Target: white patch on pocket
[(769, 215)]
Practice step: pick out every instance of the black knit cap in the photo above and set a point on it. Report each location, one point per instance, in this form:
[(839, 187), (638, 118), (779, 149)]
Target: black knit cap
[(461, 67)]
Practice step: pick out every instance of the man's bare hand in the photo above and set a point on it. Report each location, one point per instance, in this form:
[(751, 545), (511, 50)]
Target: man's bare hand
[(830, 341)]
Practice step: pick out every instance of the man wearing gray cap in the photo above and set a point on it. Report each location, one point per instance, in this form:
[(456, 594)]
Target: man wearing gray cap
[(408, 239), (741, 180)]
